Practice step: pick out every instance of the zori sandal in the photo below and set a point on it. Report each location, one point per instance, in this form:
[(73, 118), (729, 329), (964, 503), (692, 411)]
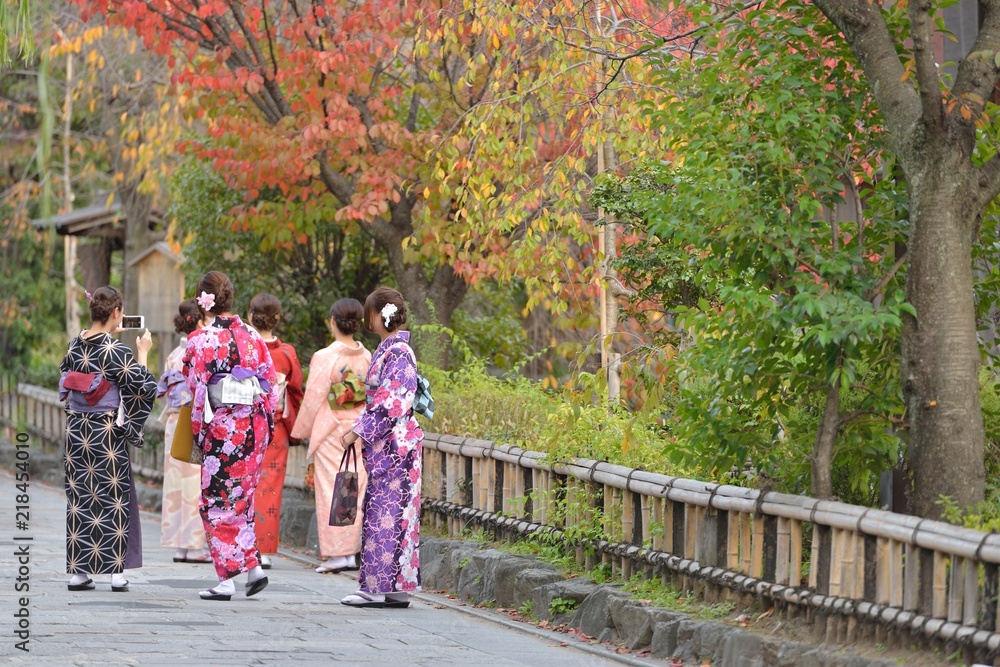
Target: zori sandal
[(362, 599)]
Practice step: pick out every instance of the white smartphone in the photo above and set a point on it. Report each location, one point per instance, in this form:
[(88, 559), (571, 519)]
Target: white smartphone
[(133, 322)]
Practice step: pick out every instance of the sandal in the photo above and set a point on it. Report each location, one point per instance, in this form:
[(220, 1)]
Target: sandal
[(254, 587), (87, 585), (213, 594), (393, 602), (362, 599), (207, 558), (396, 604), (323, 569)]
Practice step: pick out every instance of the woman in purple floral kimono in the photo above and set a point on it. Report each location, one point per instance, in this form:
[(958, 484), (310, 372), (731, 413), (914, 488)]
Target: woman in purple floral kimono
[(391, 449)]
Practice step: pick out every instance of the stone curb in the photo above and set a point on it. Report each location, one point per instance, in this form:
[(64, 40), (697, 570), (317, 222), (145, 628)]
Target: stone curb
[(481, 575)]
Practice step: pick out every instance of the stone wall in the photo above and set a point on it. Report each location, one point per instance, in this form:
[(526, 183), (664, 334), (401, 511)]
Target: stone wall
[(608, 614)]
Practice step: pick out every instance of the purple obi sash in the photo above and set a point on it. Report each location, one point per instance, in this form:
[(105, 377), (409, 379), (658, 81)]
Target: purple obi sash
[(173, 386), (88, 392)]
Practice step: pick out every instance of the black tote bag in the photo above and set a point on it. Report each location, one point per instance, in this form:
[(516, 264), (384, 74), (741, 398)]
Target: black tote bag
[(344, 504)]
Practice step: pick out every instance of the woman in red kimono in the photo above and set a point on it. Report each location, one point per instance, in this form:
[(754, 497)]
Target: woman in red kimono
[(264, 313), (235, 389)]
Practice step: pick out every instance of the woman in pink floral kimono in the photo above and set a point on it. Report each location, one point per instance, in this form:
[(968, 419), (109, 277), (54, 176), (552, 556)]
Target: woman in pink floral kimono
[(234, 385), (391, 449)]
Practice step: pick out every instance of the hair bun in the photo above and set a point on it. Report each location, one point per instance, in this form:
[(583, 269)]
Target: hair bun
[(103, 302)]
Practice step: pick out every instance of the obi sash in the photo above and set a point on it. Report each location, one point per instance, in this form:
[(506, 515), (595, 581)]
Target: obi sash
[(173, 386), (88, 392), (241, 386)]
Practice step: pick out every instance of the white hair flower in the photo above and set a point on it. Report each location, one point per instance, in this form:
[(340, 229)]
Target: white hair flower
[(388, 310), (206, 301)]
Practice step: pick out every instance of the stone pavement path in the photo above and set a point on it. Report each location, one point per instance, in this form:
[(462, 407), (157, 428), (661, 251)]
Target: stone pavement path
[(297, 620)]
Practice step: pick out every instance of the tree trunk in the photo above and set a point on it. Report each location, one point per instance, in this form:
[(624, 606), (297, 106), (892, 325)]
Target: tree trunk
[(940, 350), (431, 302), (826, 437), (433, 299)]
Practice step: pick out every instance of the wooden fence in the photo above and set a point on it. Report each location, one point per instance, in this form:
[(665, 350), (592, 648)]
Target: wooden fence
[(854, 571)]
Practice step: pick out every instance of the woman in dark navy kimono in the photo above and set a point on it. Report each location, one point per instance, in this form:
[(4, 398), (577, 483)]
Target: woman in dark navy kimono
[(108, 394)]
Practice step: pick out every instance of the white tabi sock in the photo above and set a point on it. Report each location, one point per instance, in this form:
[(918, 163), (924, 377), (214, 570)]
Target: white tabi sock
[(78, 578), (118, 579), (226, 587), (255, 574)]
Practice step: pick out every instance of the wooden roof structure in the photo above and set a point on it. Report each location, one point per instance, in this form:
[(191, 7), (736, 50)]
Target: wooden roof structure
[(96, 220)]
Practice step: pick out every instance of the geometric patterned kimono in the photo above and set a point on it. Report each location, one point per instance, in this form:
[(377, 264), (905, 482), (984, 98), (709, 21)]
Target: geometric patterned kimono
[(233, 440), (102, 514), (390, 532)]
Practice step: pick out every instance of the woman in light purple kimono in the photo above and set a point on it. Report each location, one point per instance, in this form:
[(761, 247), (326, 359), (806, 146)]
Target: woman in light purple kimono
[(391, 450)]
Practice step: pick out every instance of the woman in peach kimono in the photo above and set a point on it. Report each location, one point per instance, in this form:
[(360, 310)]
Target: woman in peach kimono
[(325, 426), (181, 526)]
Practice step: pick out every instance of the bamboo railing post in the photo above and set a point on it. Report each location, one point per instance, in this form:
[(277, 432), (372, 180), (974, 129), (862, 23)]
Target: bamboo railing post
[(911, 579), (733, 541), (498, 486), (895, 573), (782, 574), (467, 481), (757, 547), (971, 592), (795, 557), (822, 554), (956, 589), (722, 538), (647, 520), (691, 527), (989, 619), (836, 560), (678, 522), (628, 516)]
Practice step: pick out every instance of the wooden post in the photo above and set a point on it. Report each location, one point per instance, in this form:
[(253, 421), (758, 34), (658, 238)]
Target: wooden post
[(733, 541), (783, 534), (795, 566), (757, 547), (955, 589)]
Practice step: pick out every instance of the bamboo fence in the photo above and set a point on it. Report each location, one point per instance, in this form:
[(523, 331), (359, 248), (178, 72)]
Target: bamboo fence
[(854, 570)]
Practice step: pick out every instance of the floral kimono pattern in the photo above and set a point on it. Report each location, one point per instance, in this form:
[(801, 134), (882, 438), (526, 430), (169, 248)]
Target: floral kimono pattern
[(390, 533), (180, 525), (233, 441), (102, 513)]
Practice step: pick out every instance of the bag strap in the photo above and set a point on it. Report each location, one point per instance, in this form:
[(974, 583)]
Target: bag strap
[(353, 453)]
